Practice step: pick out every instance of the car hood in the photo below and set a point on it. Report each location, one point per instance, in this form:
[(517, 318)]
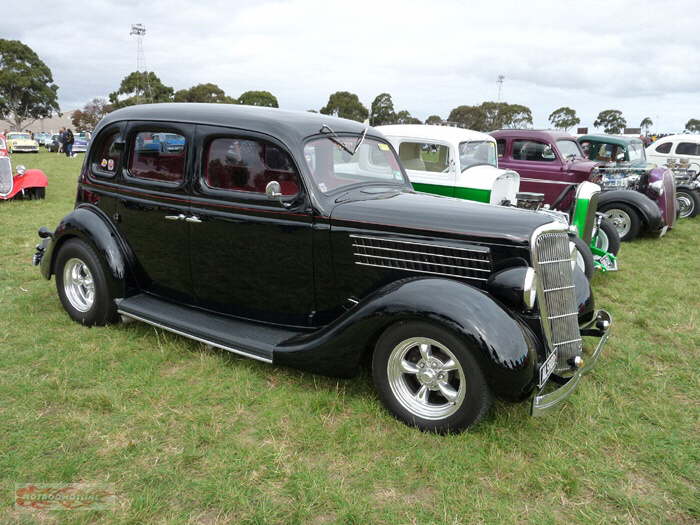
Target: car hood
[(582, 166), (23, 142), (434, 215)]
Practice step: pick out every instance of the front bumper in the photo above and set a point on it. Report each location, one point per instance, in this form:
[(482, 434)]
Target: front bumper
[(543, 403)]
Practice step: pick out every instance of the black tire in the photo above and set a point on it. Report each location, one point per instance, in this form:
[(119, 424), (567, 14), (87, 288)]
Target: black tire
[(102, 309), (615, 211), (585, 256), (611, 238), (36, 193), (688, 202), (474, 399)]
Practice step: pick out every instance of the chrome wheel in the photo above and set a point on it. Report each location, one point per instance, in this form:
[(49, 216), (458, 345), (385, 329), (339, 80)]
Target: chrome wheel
[(620, 219), (601, 240), (426, 378), (78, 285), (686, 205)]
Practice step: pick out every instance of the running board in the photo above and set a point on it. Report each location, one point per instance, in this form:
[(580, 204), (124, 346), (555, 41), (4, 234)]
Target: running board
[(246, 338)]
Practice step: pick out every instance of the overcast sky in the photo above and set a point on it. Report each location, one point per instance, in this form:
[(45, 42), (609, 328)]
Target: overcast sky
[(641, 57)]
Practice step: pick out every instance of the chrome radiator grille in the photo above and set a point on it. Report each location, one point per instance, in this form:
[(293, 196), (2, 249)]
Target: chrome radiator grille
[(5, 176), (472, 263), (557, 296)]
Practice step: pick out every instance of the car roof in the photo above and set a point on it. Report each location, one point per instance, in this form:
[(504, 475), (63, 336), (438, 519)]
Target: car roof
[(610, 139), (424, 131), (684, 137), (542, 134), (289, 126)]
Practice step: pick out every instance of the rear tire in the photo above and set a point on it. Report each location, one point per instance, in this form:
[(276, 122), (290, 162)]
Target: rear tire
[(688, 203), (624, 218), (607, 238), (584, 256), (82, 285), (428, 378)]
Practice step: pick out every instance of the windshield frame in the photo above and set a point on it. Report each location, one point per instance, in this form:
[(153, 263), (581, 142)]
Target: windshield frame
[(405, 183), (580, 153)]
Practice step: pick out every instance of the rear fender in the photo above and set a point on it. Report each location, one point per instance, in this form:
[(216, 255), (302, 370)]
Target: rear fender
[(504, 347), (648, 210), (90, 224)]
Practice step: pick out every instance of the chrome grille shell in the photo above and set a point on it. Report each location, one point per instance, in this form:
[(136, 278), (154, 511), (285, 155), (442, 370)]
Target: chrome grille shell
[(472, 263), (6, 179), (556, 292)]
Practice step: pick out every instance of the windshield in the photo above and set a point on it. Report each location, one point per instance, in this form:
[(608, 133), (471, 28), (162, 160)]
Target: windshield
[(636, 151), (16, 136), (477, 152), (569, 148), (333, 167)]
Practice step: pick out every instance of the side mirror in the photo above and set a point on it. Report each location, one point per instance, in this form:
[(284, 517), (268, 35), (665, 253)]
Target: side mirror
[(20, 169), (273, 190)]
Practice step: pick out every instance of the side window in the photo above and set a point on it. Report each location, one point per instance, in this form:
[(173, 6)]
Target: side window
[(158, 156), (664, 148), (248, 165), (531, 150), (424, 157), (688, 148), (106, 157), (587, 150), (501, 147)]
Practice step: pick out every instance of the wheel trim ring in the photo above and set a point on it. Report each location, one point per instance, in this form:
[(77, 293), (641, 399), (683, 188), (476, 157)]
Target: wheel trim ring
[(78, 284), (580, 261), (685, 204), (620, 219), (405, 394)]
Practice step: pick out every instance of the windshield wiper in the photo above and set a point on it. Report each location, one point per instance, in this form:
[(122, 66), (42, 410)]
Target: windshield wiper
[(335, 140)]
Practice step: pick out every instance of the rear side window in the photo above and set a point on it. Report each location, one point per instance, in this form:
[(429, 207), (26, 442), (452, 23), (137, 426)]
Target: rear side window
[(531, 150), (664, 148), (424, 157), (106, 155), (158, 156), (248, 165), (688, 148)]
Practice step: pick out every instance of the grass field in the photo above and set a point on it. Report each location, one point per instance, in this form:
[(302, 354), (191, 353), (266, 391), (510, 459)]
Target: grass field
[(189, 435)]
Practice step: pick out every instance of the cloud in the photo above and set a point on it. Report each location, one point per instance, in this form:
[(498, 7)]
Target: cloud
[(431, 56)]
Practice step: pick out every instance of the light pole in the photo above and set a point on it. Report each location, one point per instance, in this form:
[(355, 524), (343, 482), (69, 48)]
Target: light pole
[(139, 31)]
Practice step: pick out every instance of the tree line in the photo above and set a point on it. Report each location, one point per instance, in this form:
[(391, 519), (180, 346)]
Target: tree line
[(28, 93)]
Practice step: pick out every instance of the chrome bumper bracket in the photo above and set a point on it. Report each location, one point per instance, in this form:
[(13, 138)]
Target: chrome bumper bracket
[(543, 403)]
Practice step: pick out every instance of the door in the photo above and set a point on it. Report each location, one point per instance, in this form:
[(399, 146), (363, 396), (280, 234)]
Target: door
[(429, 166), (152, 209), (251, 256), (540, 169)]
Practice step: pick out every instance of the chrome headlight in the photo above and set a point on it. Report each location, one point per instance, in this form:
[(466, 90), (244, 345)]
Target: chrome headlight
[(530, 288), (20, 169), (658, 187)]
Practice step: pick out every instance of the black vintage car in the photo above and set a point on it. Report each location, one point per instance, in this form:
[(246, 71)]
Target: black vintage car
[(296, 239)]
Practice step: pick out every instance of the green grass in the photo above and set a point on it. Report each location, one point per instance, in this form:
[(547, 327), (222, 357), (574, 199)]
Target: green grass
[(189, 435)]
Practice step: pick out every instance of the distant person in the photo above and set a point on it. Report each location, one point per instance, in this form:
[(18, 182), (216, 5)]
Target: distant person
[(68, 140), (61, 138)]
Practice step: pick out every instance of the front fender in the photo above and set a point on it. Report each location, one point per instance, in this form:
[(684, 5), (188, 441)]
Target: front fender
[(30, 179), (90, 224), (648, 210), (504, 347)]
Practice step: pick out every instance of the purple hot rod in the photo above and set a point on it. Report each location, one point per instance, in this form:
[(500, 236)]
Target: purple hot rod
[(549, 162)]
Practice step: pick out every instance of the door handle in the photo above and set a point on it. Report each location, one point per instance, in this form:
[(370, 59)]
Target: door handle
[(194, 219), (175, 217)]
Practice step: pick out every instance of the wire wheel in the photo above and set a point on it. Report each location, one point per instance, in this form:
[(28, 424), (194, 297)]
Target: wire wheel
[(426, 378), (686, 204), (78, 285)]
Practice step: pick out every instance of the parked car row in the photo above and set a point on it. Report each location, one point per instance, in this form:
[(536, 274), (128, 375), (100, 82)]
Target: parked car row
[(321, 243)]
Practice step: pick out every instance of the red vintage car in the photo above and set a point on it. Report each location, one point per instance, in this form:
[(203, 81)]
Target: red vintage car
[(28, 184), (3, 146)]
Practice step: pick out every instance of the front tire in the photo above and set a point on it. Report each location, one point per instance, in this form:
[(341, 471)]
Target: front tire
[(82, 285), (688, 203), (625, 219), (584, 256), (428, 378)]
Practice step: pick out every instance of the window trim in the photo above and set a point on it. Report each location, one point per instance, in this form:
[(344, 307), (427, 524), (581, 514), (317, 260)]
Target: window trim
[(133, 128)]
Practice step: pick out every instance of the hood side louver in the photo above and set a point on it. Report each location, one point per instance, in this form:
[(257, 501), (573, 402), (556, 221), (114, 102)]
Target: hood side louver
[(472, 263)]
